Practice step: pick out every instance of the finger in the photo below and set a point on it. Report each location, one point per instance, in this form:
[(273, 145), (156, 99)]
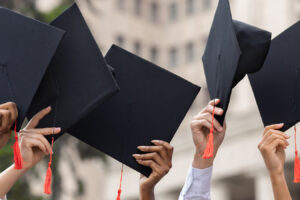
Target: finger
[(273, 126), (44, 131), (149, 156), (12, 107), (210, 108), (214, 102), (149, 163), (208, 117), (5, 122), (201, 123), (278, 143), (169, 148), (32, 142), (36, 119), (159, 149), (270, 132), (41, 138), (273, 137)]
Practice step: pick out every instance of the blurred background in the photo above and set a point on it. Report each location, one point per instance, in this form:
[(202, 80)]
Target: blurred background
[(172, 34)]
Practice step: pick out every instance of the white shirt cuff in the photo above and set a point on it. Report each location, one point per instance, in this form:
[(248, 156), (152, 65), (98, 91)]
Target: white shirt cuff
[(197, 185)]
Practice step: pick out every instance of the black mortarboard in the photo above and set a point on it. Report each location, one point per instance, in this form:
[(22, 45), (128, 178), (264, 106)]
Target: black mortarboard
[(77, 79), (151, 104), (233, 50), (276, 85), (27, 47)]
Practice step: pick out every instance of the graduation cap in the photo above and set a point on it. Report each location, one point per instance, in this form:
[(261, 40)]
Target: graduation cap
[(27, 47), (77, 80), (151, 104), (276, 85), (233, 50)]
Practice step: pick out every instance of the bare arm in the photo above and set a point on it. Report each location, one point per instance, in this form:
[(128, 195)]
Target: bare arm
[(33, 146), (272, 148)]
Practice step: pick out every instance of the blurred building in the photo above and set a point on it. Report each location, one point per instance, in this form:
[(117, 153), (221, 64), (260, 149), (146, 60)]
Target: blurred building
[(173, 34)]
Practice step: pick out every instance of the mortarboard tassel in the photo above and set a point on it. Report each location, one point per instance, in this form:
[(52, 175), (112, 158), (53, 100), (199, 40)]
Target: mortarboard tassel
[(209, 149), (17, 153), (48, 179), (297, 162), (120, 187)]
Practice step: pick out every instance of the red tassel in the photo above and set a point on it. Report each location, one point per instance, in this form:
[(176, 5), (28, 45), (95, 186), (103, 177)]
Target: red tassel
[(296, 163), (48, 179), (120, 187), (17, 153), (209, 149)]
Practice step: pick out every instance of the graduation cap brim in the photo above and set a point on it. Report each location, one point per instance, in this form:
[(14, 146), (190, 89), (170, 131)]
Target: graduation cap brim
[(151, 104), (276, 85), (78, 78), (27, 47), (233, 50)]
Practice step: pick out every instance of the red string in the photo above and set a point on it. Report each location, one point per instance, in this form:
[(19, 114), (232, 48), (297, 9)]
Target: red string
[(120, 186), (296, 162), (48, 179), (209, 149), (17, 153)]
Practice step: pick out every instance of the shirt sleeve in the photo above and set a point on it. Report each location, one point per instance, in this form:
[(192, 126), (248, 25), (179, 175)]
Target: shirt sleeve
[(4, 198), (197, 184)]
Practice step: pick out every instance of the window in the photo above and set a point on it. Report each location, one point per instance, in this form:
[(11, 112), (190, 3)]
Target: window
[(120, 41), (190, 7), (138, 7), (173, 12), (121, 4), (154, 54), (173, 57), (190, 52), (206, 4), (137, 48), (154, 12)]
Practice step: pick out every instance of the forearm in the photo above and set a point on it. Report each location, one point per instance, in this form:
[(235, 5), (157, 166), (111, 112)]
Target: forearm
[(280, 188), (201, 163), (146, 194), (8, 178)]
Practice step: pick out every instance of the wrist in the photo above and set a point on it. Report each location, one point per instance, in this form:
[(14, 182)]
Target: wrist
[(201, 163), (277, 176), (146, 192)]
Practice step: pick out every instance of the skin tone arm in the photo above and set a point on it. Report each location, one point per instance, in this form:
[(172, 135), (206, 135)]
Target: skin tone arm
[(159, 159), (200, 129), (272, 148), (33, 145), (8, 116)]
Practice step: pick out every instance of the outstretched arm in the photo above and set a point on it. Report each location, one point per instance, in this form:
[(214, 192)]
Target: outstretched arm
[(272, 148)]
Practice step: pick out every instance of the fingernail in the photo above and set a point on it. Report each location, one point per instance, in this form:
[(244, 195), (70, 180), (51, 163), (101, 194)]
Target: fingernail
[(57, 129), (135, 155), (49, 107)]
